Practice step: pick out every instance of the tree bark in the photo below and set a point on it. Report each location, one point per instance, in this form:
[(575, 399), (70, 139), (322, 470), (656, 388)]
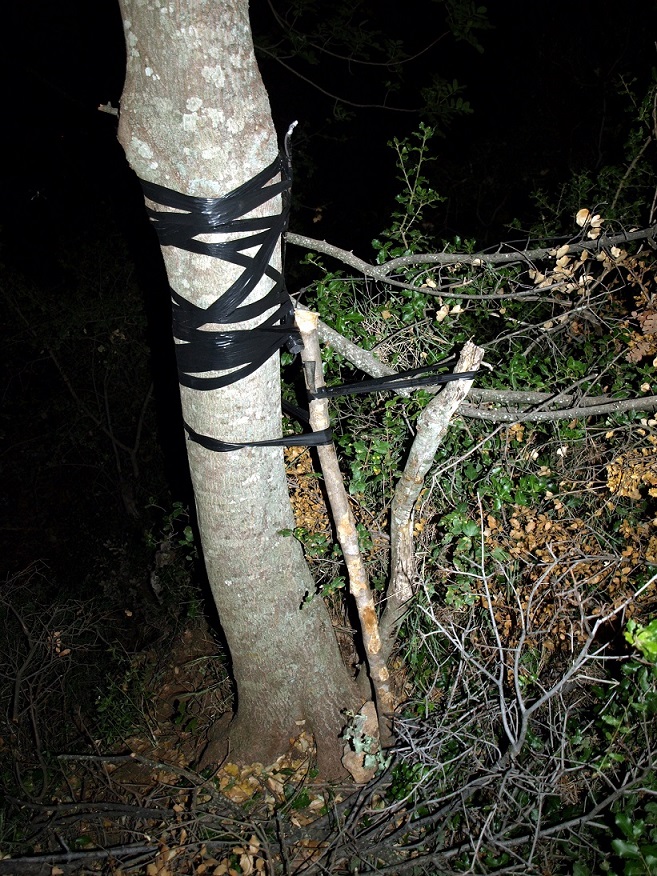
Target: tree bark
[(195, 118)]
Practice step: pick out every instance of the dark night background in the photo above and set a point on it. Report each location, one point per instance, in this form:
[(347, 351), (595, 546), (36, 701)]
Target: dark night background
[(545, 100)]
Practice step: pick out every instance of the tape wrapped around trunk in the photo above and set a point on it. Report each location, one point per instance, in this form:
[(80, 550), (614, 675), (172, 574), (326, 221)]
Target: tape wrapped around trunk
[(200, 352)]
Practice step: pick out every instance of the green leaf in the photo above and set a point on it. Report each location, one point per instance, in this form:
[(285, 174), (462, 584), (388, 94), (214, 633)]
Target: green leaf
[(301, 800), (625, 824), (644, 639), (626, 850)]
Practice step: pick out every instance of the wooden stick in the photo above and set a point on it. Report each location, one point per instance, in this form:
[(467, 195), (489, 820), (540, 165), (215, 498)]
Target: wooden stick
[(345, 525), (431, 428)]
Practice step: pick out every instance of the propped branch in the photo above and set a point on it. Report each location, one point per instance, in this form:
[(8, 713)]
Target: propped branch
[(431, 428), (478, 259), (513, 406), (345, 524)]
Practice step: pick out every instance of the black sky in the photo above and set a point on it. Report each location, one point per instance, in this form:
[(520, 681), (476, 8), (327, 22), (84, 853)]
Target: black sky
[(543, 95), (544, 103)]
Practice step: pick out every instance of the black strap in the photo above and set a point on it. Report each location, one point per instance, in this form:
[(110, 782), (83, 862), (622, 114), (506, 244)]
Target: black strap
[(402, 380), (315, 438), (240, 352)]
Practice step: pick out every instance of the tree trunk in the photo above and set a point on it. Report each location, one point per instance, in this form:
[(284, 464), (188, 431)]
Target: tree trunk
[(195, 118)]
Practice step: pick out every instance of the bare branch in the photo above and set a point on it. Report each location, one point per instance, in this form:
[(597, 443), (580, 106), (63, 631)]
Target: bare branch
[(479, 259), (345, 524), (629, 170), (613, 406), (279, 60), (585, 407), (431, 428), (352, 58)]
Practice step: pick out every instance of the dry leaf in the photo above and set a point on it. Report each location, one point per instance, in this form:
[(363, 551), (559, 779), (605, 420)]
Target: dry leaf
[(442, 313), (246, 864), (648, 322), (639, 349)]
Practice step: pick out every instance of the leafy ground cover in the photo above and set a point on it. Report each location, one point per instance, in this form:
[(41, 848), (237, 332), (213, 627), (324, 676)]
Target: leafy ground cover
[(525, 671)]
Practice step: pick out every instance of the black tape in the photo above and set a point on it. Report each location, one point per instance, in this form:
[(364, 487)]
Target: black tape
[(314, 438), (240, 352), (402, 380)]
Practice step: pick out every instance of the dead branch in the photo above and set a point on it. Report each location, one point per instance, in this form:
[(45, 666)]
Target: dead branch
[(431, 428), (508, 399), (480, 259), (613, 406), (345, 524)]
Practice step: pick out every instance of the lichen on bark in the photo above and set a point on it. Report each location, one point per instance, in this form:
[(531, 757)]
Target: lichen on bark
[(195, 117)]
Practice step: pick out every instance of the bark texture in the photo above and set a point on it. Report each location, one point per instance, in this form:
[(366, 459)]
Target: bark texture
[(195, 117), (431, 428)]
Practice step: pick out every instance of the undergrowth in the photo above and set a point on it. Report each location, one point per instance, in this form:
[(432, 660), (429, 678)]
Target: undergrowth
[(525, 668)]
